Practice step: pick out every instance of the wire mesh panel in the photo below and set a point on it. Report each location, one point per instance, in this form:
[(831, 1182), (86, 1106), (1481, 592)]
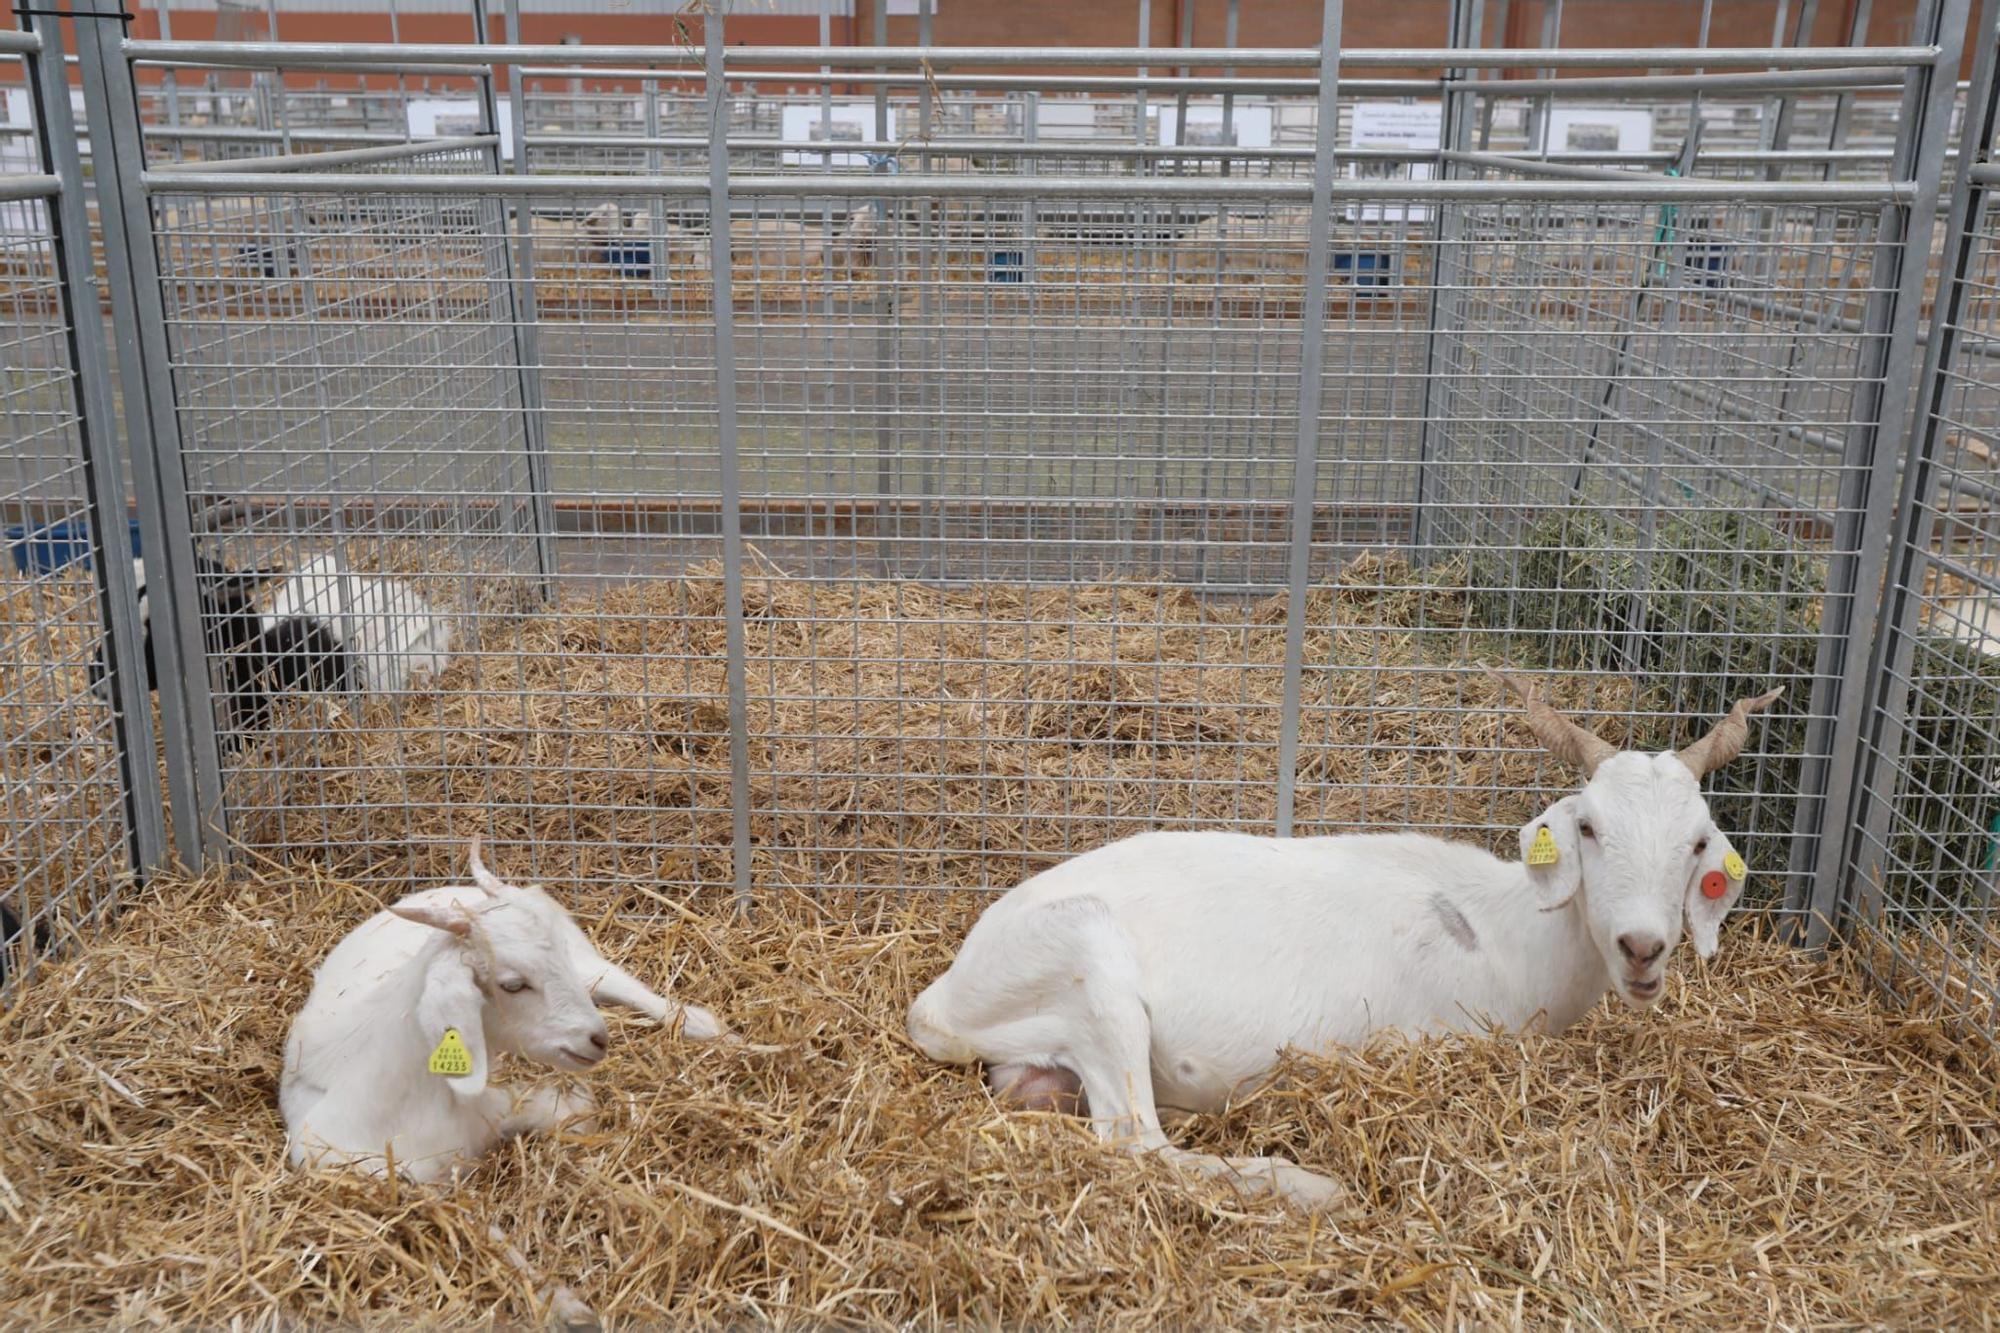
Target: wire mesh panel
[(1927, 846), (1639, 464), (623, 674), (1013, 525), (348, 395), (1038, 454), (65, 846), (1028, 506)]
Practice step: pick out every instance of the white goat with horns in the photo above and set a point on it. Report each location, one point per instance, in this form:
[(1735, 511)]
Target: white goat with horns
[(387, 1064), (1170, 969)]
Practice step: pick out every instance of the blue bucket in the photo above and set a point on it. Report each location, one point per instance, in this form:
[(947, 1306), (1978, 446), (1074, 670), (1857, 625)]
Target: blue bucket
[(57, 546), (1366, 269), (1009, 265), (634, 260)]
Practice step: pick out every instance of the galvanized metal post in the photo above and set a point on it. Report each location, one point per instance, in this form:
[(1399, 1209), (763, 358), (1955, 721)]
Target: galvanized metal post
[(881, 38), (826, 87), (1031, 133), (721, 284), (1139, 135), (1441, 314), (1841, 672), (656, 163), (402, 81), (649, 119), (1779, 135), (1502, 16), (152, 425), (1701, 39), (1541, 114), (1885, 730), (930, 386), (518, 274), (1229, 72), (1184, 39), (1312, 376), (169, 77), (1843, 102), (97, 428), (884, 384), (926, 112)]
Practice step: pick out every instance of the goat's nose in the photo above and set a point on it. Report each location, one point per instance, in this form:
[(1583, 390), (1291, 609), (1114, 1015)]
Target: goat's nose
[(1641, 949), (600, 1039)]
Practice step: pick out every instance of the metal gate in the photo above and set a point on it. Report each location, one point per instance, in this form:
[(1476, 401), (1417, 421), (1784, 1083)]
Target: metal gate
[(1925, 856), (80, 809)]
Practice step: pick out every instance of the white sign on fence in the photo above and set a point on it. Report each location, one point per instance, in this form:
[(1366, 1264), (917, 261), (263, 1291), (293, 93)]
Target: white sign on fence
[(1388, 125), (1595, 129), (1249, 127), (851, 122), (17, 151), (444, 117)]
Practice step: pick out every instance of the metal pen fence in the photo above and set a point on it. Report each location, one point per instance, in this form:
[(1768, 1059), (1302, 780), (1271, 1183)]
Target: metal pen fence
[(792, 521), (1925, 858), (80, 808)]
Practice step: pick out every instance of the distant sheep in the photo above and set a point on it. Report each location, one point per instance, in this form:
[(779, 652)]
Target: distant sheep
[(771, 249), (389, 1061), (324, 628), (1246, 244), (620, 241), (1974, 621)]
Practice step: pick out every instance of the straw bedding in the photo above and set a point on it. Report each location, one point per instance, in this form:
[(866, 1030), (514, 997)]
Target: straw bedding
[(1772, 1146), (1776, 1145), (904, 734)]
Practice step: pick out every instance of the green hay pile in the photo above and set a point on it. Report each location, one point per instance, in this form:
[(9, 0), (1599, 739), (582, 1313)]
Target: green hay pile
[(1713, 607)]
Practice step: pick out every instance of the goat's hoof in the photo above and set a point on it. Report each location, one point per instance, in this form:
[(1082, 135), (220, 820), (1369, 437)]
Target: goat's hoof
[(576, 1110), (699, 1024), (567, 1312), (1299, 1187)]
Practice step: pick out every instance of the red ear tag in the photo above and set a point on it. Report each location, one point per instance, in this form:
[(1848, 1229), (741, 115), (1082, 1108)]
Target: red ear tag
[(1714, 885)]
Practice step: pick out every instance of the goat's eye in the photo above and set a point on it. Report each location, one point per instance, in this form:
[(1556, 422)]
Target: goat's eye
[(514, 986), (1586, 830), (1701, 847)]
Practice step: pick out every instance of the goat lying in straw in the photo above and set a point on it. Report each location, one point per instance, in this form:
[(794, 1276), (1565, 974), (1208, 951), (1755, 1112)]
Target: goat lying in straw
[(1170, 969), (386, 1066)]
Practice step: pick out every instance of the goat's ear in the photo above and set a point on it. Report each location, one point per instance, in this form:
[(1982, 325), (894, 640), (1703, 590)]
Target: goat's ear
[(235, 587), (451, 1001), (440, 916), (1550, 853), (1717, 868)]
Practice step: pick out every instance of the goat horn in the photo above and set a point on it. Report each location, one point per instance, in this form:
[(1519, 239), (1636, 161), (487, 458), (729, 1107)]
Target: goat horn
[(1725, 740), (1563, 738), (484, 878)]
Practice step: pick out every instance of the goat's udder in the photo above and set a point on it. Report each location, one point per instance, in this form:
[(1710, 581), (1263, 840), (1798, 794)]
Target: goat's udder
[(1021, 1087)]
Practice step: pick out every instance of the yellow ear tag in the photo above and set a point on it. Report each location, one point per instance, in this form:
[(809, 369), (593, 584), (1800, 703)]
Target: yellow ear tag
[(1542, 851), (451, 1058), (1732, 866)]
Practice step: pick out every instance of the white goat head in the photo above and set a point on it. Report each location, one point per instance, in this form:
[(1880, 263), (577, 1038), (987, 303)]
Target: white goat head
[(604, 222), (1636, 848), (515, 978)]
